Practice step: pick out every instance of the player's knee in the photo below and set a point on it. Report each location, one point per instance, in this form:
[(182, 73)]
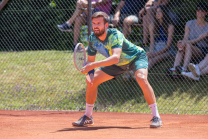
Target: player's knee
[(141, 78)]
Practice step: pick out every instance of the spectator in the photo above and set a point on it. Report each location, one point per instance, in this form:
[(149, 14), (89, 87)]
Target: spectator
[(161, 37), (197, 70), (126, 14), (148, 14), (80, 15), (195, 42)]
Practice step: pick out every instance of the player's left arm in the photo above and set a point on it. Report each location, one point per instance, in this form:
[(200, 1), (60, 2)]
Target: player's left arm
[(113, 59)]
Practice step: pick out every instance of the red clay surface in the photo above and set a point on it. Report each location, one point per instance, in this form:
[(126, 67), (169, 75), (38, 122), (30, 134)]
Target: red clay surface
[(57, 125)]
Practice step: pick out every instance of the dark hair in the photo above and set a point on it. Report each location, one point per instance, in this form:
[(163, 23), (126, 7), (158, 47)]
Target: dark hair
[(166, 19), (203, 6), (101, 14)]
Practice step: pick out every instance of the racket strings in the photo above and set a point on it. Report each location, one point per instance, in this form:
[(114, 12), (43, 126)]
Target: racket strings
[(80, 57)]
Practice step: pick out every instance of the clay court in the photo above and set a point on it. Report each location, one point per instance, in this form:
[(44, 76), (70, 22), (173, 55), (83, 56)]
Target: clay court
[(57, 125)]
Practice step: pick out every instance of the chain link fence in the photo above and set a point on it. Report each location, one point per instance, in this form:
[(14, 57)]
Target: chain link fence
[(37, 71)]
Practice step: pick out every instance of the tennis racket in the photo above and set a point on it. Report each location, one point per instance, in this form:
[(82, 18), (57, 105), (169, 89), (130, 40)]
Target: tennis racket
[(80, 57)]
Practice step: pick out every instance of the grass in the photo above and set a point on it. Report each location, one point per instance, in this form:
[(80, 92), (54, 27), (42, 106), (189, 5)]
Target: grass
[(47, 80)]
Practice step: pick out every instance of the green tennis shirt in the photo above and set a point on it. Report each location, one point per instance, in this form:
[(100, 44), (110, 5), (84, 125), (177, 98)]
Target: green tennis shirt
[(114, 39)]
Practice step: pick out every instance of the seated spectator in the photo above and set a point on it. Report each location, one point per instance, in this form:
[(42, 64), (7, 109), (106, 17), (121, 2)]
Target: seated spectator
[(197, 70), (126, 14), (195, 42), (81, 13), (161, 37), (148, 14)]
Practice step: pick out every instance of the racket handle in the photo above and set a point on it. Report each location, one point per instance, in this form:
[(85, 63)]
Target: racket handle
[(90, 76)]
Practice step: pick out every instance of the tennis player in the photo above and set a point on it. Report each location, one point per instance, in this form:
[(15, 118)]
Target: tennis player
[(121, 55)]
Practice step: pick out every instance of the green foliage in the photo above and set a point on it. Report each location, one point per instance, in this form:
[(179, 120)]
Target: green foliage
[(32, 25)]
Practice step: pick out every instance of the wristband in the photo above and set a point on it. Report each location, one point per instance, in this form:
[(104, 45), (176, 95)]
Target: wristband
[(92, 71)]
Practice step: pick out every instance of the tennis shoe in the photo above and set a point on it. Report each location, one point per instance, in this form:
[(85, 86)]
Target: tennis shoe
[(179, 69), (65, 27), (84, 121), (190, 75), (156, 122), (194, 69), (172, 73)]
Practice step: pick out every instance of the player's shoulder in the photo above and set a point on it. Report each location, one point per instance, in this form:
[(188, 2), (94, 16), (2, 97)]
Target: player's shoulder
[(114, 33)]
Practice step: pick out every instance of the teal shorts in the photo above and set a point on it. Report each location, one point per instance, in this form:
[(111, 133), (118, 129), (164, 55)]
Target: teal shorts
[(140, 62)]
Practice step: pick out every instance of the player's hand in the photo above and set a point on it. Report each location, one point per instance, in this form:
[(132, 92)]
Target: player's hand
[(88, 67), (115, 21)]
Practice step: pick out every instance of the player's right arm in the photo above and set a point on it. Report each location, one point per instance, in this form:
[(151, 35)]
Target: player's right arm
[(113, 59)]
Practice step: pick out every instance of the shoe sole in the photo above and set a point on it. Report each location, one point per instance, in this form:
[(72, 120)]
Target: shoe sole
[(83, 125), (188, 77), (193, 70), (152, 126), (65, 30)]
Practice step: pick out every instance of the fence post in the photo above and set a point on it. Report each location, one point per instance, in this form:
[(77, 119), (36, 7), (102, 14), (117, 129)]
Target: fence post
[(89, 21)]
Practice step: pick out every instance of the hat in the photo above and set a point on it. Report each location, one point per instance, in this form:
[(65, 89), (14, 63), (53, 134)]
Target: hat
[(203, 6)]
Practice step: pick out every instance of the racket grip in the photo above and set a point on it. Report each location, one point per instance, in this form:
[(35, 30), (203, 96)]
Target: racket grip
[(90, 76)]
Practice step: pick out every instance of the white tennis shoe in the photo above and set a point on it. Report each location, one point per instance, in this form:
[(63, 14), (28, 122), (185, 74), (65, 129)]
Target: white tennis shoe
[(189, 75), (194, 69)]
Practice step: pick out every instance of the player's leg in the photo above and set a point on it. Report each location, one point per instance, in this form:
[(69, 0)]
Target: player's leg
[(91, 95), (91, 92), (141, 77), (140, 66)]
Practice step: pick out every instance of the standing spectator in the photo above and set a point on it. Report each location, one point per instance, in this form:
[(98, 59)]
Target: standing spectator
[(195, 42), (81, 13), (126, 14), (148, 15), (197, 70), (161, 37)]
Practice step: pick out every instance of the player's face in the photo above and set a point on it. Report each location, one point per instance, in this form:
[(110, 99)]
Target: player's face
[(98, 26), (159, 14)]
